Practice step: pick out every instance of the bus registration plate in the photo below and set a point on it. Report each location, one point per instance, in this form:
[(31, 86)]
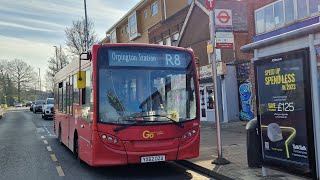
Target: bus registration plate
[(147, 159)]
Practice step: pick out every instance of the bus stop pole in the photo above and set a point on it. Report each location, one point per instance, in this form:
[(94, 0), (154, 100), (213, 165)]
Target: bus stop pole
[(217, 93)]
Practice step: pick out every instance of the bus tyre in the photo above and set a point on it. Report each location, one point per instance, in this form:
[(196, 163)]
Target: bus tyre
[(76, 149)]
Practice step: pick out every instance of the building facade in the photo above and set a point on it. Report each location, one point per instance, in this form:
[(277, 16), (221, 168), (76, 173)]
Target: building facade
[(195, 34), (287, 41), (134, 26)]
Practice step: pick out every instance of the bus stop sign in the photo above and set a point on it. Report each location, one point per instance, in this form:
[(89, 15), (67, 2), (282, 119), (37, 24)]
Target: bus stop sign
[(211, 4)]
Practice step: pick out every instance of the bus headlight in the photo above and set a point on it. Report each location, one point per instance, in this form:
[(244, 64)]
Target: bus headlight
[(111, 141), (188, 136)]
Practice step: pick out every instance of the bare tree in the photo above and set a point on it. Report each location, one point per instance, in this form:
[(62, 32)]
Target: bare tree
[(56, 63), (21, 74), (76, 39)]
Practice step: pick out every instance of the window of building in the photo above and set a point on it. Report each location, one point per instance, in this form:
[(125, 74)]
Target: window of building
[(175, 38), (283, 13), (168, 41), (127, 29), (278, 14), (145, 13), (154, 8), (260, 22), (113, 36), (302, 9), (289, 10), (268, 11), (132, 25), (314, 6)]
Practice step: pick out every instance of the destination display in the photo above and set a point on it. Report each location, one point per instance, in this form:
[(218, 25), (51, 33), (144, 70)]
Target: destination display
[(148, 58), (284, 118)]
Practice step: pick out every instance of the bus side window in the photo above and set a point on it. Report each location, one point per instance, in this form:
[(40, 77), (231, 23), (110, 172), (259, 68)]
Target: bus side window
[(60, 100), (71, 96), (76, 97), (83, 95), (65, 103)]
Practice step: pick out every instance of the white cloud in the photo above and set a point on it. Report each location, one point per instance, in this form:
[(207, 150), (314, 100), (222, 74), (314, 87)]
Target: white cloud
[(34, 53), (48, 19), (20, 26)]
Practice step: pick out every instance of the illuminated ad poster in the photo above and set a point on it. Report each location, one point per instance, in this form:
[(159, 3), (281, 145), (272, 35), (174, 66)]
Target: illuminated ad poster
[(284, 112)]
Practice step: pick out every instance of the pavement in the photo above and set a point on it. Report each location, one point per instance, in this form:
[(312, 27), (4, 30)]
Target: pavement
[(233, 136)]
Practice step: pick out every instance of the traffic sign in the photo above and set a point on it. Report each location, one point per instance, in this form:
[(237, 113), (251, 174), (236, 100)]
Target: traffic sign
[(223, 17), (211, 4)]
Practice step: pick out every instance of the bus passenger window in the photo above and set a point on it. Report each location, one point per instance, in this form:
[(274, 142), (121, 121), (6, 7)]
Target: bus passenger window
[(60, 100), (83, 95), (86, 94), (76, 96)]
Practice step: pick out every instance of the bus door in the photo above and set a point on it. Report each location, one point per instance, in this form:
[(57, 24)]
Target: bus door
[(69, 112), (86, 123)]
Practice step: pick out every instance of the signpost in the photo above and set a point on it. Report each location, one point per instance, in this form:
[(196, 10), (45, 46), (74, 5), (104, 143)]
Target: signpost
[(217, 85)]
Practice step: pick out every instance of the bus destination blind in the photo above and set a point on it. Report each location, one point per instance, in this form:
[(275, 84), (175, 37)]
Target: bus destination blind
[(149, 58)]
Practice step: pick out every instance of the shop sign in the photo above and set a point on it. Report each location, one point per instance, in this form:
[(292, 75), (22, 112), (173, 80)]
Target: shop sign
[(206, 71)]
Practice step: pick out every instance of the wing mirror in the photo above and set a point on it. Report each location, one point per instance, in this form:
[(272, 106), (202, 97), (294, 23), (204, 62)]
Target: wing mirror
[(85, 56)]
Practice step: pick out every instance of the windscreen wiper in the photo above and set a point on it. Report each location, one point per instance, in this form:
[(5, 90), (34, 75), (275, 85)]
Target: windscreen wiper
[(174, 122)]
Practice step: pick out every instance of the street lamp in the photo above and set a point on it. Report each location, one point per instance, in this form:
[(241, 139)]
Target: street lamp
[(86, 25), (39, 79), (56, 48)]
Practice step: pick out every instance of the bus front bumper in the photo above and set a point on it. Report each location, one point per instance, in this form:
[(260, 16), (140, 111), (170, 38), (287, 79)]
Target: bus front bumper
[(103, 155)]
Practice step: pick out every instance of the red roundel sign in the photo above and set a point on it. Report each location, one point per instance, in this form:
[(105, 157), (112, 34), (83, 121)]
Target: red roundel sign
[(211, 4)]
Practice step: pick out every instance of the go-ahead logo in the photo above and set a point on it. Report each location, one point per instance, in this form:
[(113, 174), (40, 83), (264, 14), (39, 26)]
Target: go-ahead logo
[(149, 135)]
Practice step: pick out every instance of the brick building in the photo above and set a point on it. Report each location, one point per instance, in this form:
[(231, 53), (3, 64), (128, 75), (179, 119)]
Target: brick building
[(195, 34), (167, 32), (134, 26)]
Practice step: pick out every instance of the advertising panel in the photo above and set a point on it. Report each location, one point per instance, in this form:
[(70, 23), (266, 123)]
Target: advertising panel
[(285, 111)]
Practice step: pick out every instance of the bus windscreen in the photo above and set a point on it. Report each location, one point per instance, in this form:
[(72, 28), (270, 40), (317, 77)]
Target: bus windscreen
[(150, 92), (134, 57)]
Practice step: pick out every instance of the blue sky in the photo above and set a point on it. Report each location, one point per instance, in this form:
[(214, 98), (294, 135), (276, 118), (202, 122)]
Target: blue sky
[(30, 28)]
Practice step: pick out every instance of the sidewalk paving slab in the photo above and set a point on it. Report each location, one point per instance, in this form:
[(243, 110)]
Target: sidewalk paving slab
[(233, 137)]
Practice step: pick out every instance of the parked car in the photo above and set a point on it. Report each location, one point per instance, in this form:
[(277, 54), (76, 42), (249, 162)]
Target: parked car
[(18, 105), (1, 112), (47, 108), (31, 107), (28, 104), (37, 107)]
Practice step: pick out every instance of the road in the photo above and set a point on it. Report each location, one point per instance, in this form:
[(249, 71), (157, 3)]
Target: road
[(29, 150)]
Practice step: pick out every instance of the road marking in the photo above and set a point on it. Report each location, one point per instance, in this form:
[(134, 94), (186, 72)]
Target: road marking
[(54, 158), (45, 141), (49, 148), (60, 171)]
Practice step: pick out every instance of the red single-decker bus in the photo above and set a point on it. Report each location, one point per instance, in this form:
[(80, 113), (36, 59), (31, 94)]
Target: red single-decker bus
[(129, 103)]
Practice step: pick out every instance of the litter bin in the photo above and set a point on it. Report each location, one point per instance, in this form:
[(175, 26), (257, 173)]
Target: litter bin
[(254, 154)]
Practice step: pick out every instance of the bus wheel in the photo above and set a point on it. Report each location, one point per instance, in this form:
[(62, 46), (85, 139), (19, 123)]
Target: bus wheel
[(76, 148), (59, 135)]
